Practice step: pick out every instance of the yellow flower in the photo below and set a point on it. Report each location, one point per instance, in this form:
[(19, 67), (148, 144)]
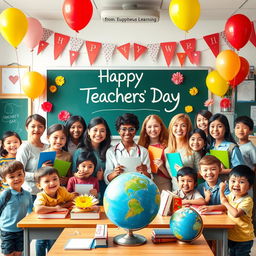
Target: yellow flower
[(59, 80), (188, 109), (85, 201), (53, 88), (193, 91)]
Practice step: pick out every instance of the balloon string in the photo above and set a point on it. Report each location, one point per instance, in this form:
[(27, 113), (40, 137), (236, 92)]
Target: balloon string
[(32, 61), (18, 66)]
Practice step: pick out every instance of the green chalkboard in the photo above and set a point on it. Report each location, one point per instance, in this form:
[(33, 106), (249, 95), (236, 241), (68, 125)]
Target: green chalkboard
[(112, 92), (13, 114)]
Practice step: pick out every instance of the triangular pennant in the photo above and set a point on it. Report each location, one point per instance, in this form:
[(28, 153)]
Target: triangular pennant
[(41, 46), (76, 44), (138, 50), (189, 45), (153, 50), (182, 57), (73, 55), (124, 50), (60, 42), (168, 50), (253, 35), (194, 57), (108, 50), (93, 49), (223, 36), (213, 41)]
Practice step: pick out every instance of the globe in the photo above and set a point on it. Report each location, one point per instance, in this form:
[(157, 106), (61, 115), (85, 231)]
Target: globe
[(186, 224), (131, 201)]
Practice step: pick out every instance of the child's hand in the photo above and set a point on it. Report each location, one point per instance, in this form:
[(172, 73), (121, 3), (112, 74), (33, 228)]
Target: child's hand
[(100, 175), (186, 202), (141, 168), (78, 175), (47, 163), (204, 208), (60, 208), (118, 170), (222, 186), (94, 192), (177, 167), (75, 193), (207, 193), (158, 162)]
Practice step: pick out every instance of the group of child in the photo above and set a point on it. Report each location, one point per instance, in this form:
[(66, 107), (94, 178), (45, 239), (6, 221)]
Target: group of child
[(96, 162)]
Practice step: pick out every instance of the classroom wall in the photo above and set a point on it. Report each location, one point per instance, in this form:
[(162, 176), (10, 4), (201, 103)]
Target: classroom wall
[(163, 31)]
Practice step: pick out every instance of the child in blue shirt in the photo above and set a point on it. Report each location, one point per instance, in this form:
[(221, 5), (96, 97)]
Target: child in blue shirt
[(19, 204), (210, 168)]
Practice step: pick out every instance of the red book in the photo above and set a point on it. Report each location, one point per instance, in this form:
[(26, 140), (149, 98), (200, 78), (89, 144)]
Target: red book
[(53, 215), (214, 212)]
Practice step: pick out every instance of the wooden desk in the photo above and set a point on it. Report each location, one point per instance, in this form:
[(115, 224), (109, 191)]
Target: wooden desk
[(197, 247), (215, 228)]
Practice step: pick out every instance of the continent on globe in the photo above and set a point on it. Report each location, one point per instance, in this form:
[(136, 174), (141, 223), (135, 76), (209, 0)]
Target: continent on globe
[(135, 184), (135, 208)]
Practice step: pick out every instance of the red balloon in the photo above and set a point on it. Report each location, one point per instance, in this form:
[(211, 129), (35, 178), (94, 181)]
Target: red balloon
[(238, 30), (242, 73), (77, 13)]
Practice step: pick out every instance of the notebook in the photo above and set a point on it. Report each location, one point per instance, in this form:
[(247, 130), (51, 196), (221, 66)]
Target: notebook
[(154, 153), (79, 244), (62, 167), (130, 163), (222, 156), (46, 156), (173, 160)]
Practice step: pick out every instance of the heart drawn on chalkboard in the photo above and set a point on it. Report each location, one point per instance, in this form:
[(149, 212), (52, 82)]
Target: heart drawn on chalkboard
[(14, 79)]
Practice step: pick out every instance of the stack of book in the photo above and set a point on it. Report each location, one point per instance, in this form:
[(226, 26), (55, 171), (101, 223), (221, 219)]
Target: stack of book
[(162, 235), (101, 236), (78, 213)]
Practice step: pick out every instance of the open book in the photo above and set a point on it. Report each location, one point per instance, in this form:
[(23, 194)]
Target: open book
[(214, 212)]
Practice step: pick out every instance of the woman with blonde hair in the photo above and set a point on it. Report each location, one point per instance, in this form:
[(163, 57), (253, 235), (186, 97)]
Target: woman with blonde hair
[(155, 134), (179, 128)]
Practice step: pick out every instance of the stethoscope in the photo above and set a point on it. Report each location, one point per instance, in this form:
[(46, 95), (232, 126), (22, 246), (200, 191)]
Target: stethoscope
[(121, 151)]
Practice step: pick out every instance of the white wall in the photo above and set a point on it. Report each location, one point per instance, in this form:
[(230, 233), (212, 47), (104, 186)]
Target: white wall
[(119, 34)]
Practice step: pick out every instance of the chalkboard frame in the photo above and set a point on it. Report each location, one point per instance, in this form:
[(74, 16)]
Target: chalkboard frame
[(50, 81)]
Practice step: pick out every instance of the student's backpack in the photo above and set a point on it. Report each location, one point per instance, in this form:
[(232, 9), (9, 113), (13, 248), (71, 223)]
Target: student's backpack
[(7, 198)]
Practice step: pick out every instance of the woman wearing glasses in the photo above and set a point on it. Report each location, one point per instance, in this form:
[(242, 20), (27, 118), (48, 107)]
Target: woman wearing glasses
[(126, 151)]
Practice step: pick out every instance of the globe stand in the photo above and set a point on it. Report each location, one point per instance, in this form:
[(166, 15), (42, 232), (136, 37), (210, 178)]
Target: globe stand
[(130, 239)]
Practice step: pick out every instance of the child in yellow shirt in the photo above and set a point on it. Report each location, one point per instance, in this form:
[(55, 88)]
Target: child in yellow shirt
[(53, 198), (239, 207)]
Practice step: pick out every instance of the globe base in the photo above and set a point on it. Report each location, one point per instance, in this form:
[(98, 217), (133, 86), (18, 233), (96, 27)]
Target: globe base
[(184, 242), (130, 239)]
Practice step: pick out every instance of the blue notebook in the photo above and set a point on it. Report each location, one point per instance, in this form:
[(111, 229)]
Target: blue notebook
[(173, 160), (46, 156)]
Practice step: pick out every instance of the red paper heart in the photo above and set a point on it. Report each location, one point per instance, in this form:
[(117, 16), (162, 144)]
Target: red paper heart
[(14, 79)]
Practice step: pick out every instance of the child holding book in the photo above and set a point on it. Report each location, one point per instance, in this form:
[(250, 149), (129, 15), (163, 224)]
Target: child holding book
[(53, 198), (8, 150), (210, 168), (187, 182), (14, 209), (86, 163), (57, 137), (239, 207), (155, 134)]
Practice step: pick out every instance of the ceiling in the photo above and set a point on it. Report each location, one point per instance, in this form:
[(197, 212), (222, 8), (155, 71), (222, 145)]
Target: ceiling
[(210, 9)]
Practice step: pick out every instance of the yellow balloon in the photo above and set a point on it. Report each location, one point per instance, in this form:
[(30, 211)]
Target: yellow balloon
[(184, 13), (13, 26), (33, 84), (216, 84), (228, 64)]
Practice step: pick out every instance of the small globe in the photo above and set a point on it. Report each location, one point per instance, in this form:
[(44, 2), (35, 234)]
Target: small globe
[(131, 201), (186, 224)]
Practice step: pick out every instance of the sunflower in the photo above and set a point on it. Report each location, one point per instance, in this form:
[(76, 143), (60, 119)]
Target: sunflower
[(85, 201), (188, 109), (59, 80)]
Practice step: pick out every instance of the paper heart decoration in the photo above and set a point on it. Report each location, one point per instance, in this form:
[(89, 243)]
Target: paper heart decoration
[(14, 79)]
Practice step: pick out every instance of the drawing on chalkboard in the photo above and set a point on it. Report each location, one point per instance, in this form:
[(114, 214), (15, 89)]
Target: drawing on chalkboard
[(11, 79)]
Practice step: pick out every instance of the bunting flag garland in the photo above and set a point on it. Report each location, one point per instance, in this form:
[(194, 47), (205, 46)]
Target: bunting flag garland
[(124, 50), (93, 49), (182, 57), (138, 50), (153, 50), (43, 44), (194, 57), (60, 42), (213, 41), (75, 46), (108, 50), (253, 35), (188, 45), (169, 51), (223, 36)]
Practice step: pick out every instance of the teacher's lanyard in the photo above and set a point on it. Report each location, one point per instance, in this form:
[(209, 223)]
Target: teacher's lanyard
[(121, 151)]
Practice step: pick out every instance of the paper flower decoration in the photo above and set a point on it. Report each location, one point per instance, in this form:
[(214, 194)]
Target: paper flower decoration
[(188, 109), (177, 78), (47, 106), (209, 102), (85, 201), (225, 103), (64, 115), (59, 80), (193, 91), (53, 88)]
